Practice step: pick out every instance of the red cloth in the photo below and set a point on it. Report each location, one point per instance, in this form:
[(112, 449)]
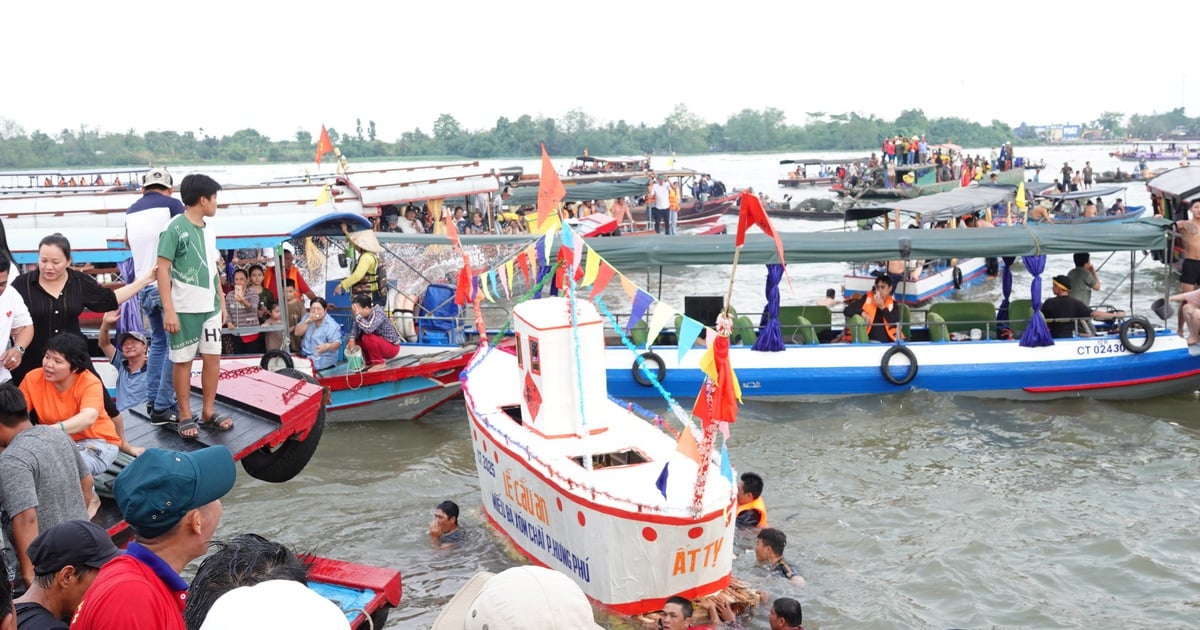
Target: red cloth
[(127, 595), (324, 145), (376, 349)]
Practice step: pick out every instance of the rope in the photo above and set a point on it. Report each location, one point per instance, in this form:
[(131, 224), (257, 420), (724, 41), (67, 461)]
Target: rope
[(671, 402)]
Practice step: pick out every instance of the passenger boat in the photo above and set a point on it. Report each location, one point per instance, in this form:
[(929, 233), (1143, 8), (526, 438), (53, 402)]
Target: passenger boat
[(70, 181), (591, 165), (422, 377), (1150, 152), (926, 279), (812, 208), (1068, 207), (1172, 192), (278, 421), (583, 484), (1135, 359), (816, 171), (925, 182)]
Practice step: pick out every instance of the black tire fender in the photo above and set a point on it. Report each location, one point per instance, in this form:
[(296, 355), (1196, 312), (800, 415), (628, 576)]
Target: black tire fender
[(957, 276), (885, 365), (271, 356), (289, 458), (653, 361), (1139, 322)]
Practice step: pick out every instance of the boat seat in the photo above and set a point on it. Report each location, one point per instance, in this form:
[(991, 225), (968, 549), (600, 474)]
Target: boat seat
[(743, 332), (858, 329), (820, 320), (1019, 314), (805, 328), (638, 334), (963, 316), (937, 327)]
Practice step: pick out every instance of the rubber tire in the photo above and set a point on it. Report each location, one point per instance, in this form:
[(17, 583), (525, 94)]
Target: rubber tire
[(1145, 325), (885, 364), (379, 618), (269, 355), (289, 458), (956, 275), (660, 370)]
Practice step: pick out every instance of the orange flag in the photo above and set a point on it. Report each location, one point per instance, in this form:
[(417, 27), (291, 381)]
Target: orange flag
[(687, 444), (550, 189), (324, 145)]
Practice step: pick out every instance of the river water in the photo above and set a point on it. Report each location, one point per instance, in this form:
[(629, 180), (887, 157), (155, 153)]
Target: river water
[(915, 511)]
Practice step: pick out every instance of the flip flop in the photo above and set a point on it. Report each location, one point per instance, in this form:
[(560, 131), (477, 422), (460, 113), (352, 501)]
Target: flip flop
[(184, 424), (217, 422)]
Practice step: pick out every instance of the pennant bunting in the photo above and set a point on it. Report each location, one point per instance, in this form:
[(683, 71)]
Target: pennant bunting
[(629, 287), (641, 302), (474, 288), (549, 247), (523, 265), (483, 286), (492, 285), (689, 331), (508, 272), (503, 278), (540, 250), (591, 267), (661, 483), (663, 315), (603, 276), (568, 238), (726, 465)]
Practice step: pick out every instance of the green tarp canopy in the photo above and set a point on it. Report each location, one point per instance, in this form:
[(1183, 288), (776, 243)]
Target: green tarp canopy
[(632, 187), (863, 246)]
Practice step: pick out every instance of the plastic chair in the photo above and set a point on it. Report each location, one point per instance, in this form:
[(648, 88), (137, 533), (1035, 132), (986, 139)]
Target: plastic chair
[(640, 331), (937, 327), (743, 331)]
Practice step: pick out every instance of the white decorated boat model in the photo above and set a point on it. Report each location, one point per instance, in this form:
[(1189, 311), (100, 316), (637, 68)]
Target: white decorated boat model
[(581, 484)]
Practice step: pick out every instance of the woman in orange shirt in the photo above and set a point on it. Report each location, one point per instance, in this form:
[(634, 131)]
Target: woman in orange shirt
[(64, 392)]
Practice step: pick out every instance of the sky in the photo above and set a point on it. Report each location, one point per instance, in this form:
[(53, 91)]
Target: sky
[(283, 67)]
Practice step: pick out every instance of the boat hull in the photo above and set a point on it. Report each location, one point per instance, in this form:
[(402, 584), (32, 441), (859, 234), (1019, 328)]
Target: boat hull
[(926, 288), (1097, 367)]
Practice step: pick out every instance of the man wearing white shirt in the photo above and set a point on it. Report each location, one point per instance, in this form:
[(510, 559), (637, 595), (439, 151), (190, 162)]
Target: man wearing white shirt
[(662, 205)]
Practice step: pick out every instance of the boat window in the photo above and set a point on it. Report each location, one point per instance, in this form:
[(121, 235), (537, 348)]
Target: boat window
[(624, 457), (520, 353), (514, 412), (535, 359)]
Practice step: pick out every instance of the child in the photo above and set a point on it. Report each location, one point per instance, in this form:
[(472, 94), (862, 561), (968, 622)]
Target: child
[(295, 309), (189, 281), (274, 339)]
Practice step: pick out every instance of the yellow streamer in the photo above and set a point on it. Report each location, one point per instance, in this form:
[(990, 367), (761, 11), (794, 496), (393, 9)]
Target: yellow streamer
[(591, 268)]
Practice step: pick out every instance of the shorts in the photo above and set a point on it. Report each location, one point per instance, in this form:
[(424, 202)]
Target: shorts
[(97, 454), (198, 332), (1189, 273)]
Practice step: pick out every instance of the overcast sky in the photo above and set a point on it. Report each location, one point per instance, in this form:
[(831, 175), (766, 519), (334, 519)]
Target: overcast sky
[(283, 67)]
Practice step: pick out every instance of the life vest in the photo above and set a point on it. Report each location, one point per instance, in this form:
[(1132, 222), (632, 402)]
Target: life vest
[(756, 504), (868, 311), (373, 281)]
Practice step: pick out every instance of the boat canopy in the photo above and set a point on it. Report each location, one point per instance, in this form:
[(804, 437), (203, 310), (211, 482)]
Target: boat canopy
[(819, 161), (876, 245), (1181, 183), (1095, 191), (584, 191), (942, 206), (382, 188)]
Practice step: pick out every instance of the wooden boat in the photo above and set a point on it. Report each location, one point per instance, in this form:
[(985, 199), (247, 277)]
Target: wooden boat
[(926, 279), (813, 209), (1151, 152), (591, 165), (278, 421), (924, 183), (808, 172), (70, 181), (1135, 359), (424, 375), (580, 483), (1068, 207)]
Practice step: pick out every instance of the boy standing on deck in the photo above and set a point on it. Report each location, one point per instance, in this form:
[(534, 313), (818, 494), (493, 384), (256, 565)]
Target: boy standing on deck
[(193, 306)]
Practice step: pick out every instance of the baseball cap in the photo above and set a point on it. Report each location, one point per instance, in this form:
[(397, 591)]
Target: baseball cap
[(288, 247), (130, 333), (71, 543), (521, 597), (157, 176), (155, 490), (274, 604)]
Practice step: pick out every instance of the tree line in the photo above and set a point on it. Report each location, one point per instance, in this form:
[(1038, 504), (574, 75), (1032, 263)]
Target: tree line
[(681, 132)]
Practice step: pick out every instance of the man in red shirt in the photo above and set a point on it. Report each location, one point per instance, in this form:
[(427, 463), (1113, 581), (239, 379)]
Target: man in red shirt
[(172, 501)]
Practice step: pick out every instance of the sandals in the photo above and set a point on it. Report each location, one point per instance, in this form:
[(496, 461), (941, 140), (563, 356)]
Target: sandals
[(182, 425), (217, 422)]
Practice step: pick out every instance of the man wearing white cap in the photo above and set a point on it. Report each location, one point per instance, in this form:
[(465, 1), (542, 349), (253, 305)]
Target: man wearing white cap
[(518, 598), (290, 273)]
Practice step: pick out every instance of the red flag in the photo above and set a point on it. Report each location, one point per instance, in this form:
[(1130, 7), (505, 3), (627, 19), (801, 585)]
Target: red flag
[(723, 392), (324, 145), (750, 213), (550, 189), (452, 230)]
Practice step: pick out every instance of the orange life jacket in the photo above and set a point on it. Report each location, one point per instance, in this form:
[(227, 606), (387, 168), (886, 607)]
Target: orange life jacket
[(757, 505), (868, 309)]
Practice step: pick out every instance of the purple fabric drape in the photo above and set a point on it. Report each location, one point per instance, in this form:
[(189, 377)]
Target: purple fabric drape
[(1037, 333), (1006, 288), (770, 336), (129, 314)]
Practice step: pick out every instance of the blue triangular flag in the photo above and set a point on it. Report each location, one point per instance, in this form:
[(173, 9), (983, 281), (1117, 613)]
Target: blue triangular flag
[(661, 484), (726, 467), (641, 303)]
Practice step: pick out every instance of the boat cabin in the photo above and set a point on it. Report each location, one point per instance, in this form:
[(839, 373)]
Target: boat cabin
[(589, 165), (558, 354)]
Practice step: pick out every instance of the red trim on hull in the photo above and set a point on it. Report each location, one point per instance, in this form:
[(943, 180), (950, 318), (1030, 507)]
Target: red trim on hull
[(1114, 384)]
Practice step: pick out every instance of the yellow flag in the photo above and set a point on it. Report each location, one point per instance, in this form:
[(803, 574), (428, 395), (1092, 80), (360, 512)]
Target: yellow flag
[(591, 268), (629, 287), (1021, 196), (663, 315), (508, 270)]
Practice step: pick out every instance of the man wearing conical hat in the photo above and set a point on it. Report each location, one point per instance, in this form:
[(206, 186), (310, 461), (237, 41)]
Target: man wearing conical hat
[(367, 276)]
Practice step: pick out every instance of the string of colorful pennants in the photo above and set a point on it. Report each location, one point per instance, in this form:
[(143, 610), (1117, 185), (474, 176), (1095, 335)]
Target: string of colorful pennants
[(531, 263)]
